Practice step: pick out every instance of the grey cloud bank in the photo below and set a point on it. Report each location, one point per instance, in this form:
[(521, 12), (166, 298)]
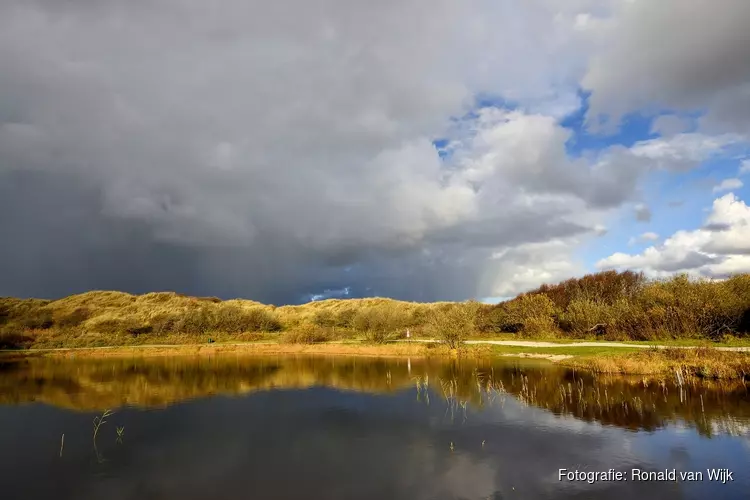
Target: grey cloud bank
[(278, 150)]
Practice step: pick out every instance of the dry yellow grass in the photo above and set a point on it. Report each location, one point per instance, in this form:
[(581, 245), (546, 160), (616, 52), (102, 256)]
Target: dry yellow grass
[(103, 318), (371, 350), (701, 362)]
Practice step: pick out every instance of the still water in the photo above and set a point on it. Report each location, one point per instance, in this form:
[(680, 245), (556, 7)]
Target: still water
[(357, 428)]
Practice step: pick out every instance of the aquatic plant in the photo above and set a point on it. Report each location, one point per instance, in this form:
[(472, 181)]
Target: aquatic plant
[(450, 393), (100, 420), (423, 387)]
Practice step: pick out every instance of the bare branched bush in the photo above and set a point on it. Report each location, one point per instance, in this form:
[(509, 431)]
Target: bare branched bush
[(531, 315), (165, 323), (605, 287), (197, 321), (117, 326), (453, 325), (307, 334), (491, 320), (325, 318), (10, 338), (381, 323), (584, 315), (40, 319), (74, 318), (235, 319)]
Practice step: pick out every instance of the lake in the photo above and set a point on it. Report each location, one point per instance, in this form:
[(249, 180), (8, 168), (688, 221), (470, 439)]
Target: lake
[(237, 426)]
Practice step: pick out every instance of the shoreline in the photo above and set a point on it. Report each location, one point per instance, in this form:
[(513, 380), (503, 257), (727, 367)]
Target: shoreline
[(417, 349), (248, 348), (533, 348), (598, 358)]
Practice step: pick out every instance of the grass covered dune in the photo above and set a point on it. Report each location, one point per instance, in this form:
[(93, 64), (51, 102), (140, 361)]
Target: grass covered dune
[(606, 306), (621, 306)]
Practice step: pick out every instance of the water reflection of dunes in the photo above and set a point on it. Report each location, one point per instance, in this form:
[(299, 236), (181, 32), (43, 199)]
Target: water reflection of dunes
[(94, 384)]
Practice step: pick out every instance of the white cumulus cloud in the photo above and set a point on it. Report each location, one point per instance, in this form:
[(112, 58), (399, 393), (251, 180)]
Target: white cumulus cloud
[(718, 249)]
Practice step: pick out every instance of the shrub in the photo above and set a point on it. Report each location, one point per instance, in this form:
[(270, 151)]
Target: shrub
[(235, 319), (249, 337), (38, 319), (307, 334), (606, 287), (584, 317), (381, 322), (130, 326), (491, 320), (324, 318), (683, 307), (232, 319), (345, 318), (630, 321), (12, 339), (165, 323), (453, 325), (262, 320), (197, 321), (136, 328), (4, 314), (530, 314), (74, 318), (361, 320), (108, 326)]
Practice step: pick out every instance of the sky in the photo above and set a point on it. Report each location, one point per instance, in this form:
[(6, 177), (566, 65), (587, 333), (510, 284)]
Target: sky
[(423, 150)]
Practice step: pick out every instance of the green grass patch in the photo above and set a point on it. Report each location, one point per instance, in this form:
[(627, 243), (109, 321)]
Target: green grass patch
[(731, 342)]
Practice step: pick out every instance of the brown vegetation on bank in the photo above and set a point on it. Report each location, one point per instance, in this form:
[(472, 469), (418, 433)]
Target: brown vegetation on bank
[(400, 350), (701, 362), (627, 306), (607, 305)]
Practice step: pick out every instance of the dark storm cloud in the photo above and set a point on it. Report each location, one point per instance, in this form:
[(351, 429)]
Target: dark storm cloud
[(274, 150), (702, 62), (252, 149)]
